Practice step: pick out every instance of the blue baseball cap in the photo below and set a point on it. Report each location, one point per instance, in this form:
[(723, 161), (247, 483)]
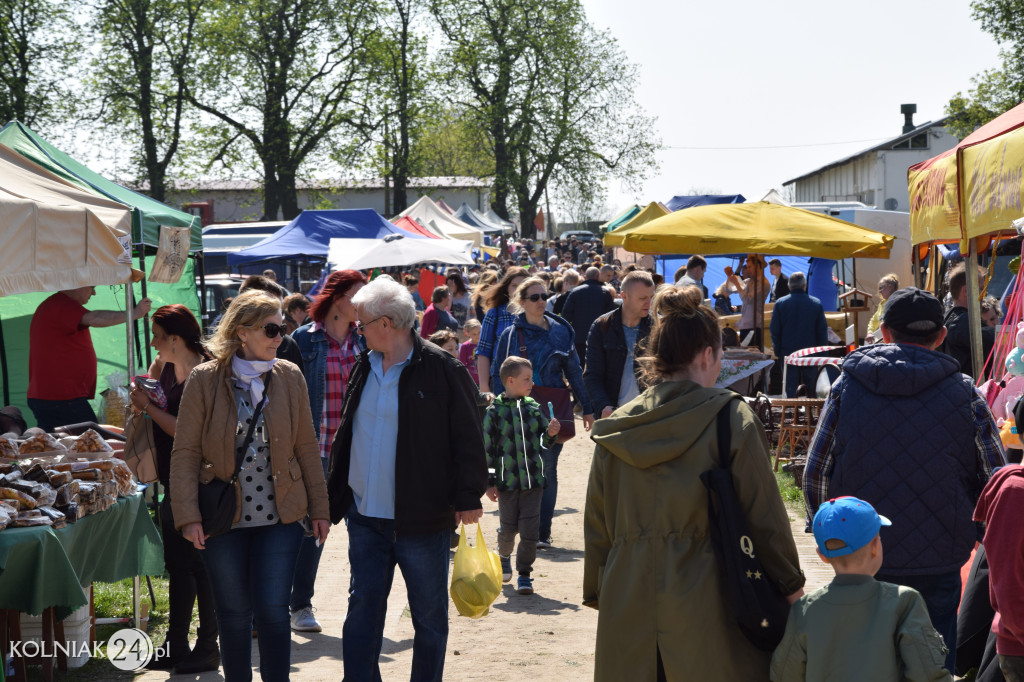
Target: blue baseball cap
[(849, 519)]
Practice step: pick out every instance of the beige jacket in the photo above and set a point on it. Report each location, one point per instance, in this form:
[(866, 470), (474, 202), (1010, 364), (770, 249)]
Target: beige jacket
[(204, 443)]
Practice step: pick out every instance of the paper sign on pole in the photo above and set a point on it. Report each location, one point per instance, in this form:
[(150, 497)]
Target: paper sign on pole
[(171, 255)]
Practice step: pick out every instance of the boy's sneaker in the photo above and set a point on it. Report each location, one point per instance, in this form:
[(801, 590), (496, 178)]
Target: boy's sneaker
[(525, 584), (544, 543), (506, 569)]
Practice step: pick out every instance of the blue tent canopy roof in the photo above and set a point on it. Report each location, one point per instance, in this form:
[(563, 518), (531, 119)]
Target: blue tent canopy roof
[(311, 232), (679, 202), (466, 214)]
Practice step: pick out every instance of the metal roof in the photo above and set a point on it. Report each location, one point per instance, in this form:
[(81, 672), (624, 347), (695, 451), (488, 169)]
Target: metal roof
[(888, 144)]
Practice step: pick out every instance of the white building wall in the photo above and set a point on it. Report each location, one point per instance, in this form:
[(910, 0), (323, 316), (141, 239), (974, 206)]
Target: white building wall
[(874, 176), (244, 205)]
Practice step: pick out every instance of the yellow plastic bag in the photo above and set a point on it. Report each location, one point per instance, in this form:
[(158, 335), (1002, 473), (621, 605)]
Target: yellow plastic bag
[(476, 576)]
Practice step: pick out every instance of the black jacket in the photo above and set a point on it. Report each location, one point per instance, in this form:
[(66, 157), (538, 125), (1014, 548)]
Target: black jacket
[(439, 459), (289, 350), (583, 305), (606, 354), (780, 288), (958, 339)]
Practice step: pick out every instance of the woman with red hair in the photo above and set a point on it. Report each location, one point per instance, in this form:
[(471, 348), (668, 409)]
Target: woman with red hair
[(329, 347)]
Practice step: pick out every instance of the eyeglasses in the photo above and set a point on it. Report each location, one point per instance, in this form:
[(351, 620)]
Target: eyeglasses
[(363, 325), (538, 297), (272, 330)]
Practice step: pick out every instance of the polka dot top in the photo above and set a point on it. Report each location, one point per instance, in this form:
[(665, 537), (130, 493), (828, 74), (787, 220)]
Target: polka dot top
[(256, 476)]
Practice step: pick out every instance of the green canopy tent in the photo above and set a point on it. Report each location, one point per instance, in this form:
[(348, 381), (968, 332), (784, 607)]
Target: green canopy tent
[(147, 213), (147, 216)]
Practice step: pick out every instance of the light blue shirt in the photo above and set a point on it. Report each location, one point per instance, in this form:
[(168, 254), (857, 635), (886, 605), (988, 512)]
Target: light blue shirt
[(371, 473), (629, 388)]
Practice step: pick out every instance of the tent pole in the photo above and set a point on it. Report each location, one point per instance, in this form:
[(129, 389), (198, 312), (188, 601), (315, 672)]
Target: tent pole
[(915, 258), (145, 320), (204, 314), (129, 311), (974, 311), (3, 366)]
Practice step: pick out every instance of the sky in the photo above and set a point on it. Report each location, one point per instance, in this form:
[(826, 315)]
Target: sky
[(781, 89)]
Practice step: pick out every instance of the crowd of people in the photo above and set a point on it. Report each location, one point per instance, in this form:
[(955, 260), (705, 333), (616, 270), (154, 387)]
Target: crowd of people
[(362, 405)]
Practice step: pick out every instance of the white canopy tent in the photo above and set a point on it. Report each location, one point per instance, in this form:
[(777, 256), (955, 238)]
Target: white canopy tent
[(56, 236), (435, 219), (396, 251)]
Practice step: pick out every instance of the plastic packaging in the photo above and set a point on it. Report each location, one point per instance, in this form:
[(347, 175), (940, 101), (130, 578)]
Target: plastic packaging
[(90, 442), (476, 576)]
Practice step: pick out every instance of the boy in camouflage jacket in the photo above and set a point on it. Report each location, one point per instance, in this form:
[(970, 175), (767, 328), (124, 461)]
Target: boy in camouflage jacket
[(515, 432)]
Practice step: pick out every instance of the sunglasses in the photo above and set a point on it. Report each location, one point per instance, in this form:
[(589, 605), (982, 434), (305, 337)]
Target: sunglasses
[(272, 330), (538, 297)]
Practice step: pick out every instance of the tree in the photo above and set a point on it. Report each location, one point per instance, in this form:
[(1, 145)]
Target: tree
[(288, 77), (553, 94), (995, 90), (451, 143), (147, 46), (404, 87), (38, 44)]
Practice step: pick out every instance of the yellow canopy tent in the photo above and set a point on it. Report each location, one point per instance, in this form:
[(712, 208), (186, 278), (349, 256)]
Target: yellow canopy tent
[(970, 193), (651, 211), (758, 227)]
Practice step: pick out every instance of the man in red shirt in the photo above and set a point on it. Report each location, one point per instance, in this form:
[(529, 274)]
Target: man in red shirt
[(61, 359)]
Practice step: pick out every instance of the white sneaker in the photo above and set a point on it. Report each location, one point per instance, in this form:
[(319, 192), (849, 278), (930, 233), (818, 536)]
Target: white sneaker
[(304, 621)]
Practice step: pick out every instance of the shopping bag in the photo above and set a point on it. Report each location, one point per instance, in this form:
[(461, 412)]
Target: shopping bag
[(476, 576)]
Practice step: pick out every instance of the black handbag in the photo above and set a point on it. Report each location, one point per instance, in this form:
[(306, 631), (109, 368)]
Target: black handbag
[(218, 499), (761, 611)]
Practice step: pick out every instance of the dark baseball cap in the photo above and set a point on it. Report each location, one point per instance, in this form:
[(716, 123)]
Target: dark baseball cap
[(913, 312)]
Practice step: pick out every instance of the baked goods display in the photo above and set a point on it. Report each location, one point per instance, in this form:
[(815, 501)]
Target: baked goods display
[(41, 492), (40, 444), (89, 442)]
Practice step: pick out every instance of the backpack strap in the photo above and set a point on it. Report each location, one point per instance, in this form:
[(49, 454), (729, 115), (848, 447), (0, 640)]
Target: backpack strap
[(724, 428)]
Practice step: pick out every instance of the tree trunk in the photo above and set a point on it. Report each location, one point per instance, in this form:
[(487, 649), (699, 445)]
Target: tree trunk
[(289, 195)]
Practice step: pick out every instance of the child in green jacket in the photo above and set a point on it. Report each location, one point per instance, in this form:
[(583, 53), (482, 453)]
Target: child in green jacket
[(857, 628), (514, 435)]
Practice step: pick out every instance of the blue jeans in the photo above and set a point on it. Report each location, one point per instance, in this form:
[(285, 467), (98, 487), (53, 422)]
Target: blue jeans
[(251, 573), (306, 565), (547, 503), (50, 414), (941, 594), (373, 552)]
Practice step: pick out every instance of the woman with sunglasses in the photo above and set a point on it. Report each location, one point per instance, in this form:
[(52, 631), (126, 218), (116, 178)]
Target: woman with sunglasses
[(550, 348), (248, 401)]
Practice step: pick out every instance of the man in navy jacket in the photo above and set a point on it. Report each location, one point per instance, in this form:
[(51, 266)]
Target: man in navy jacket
[(798, 321)]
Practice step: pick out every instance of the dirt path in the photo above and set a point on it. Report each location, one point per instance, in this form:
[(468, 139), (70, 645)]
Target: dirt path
[(545, 636)]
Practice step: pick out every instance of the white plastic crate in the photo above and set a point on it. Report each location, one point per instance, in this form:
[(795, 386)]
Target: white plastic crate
[(76, 632)]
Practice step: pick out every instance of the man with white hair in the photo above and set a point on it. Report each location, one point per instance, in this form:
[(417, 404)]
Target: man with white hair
[(798, 321), (406, 466), (584, 304)]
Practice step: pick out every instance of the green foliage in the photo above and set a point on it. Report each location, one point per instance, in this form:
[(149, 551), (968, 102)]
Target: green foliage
[(38, 50), (787, 488), (553, 93), (995, 90), (451, 143), (139, 77), (278, 80)]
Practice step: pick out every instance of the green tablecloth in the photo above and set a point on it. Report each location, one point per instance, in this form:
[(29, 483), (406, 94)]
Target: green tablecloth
[(41, 567)]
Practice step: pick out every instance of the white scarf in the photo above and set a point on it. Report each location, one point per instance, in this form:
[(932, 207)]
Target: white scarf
[(250, 373)]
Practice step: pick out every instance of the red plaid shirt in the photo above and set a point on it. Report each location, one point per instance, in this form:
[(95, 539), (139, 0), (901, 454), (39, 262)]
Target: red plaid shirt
[(340, 359)]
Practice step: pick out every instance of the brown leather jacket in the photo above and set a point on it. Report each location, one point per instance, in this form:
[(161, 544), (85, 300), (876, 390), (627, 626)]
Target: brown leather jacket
[(204, 443)]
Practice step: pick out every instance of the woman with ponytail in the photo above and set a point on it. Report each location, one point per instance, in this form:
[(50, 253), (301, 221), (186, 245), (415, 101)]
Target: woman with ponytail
[(176, 339), (648, 562)]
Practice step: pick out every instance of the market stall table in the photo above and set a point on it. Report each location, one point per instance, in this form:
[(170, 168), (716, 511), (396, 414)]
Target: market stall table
[(802, 358), (42, 568)]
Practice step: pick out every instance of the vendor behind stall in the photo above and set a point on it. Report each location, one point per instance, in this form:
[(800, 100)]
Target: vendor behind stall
[(62, 360)]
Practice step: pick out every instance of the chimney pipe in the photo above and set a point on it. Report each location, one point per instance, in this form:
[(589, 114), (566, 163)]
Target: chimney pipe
[(908, 111)]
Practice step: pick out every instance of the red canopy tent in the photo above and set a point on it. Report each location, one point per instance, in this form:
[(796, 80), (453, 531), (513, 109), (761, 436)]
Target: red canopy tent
[(410, 225)]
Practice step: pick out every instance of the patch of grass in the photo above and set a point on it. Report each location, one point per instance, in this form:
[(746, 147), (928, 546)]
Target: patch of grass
[(787, 488)]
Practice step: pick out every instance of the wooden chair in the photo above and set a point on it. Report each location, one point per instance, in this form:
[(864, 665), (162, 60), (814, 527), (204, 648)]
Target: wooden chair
[(796, 426)]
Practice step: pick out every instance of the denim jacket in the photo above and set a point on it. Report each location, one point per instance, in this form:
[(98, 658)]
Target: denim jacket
[(552, 352), (313, 346)]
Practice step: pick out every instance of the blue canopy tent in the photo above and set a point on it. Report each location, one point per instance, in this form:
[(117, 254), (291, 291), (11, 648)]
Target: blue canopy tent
[(466, 214), (714, 276), (310, 234), (677, 203)]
